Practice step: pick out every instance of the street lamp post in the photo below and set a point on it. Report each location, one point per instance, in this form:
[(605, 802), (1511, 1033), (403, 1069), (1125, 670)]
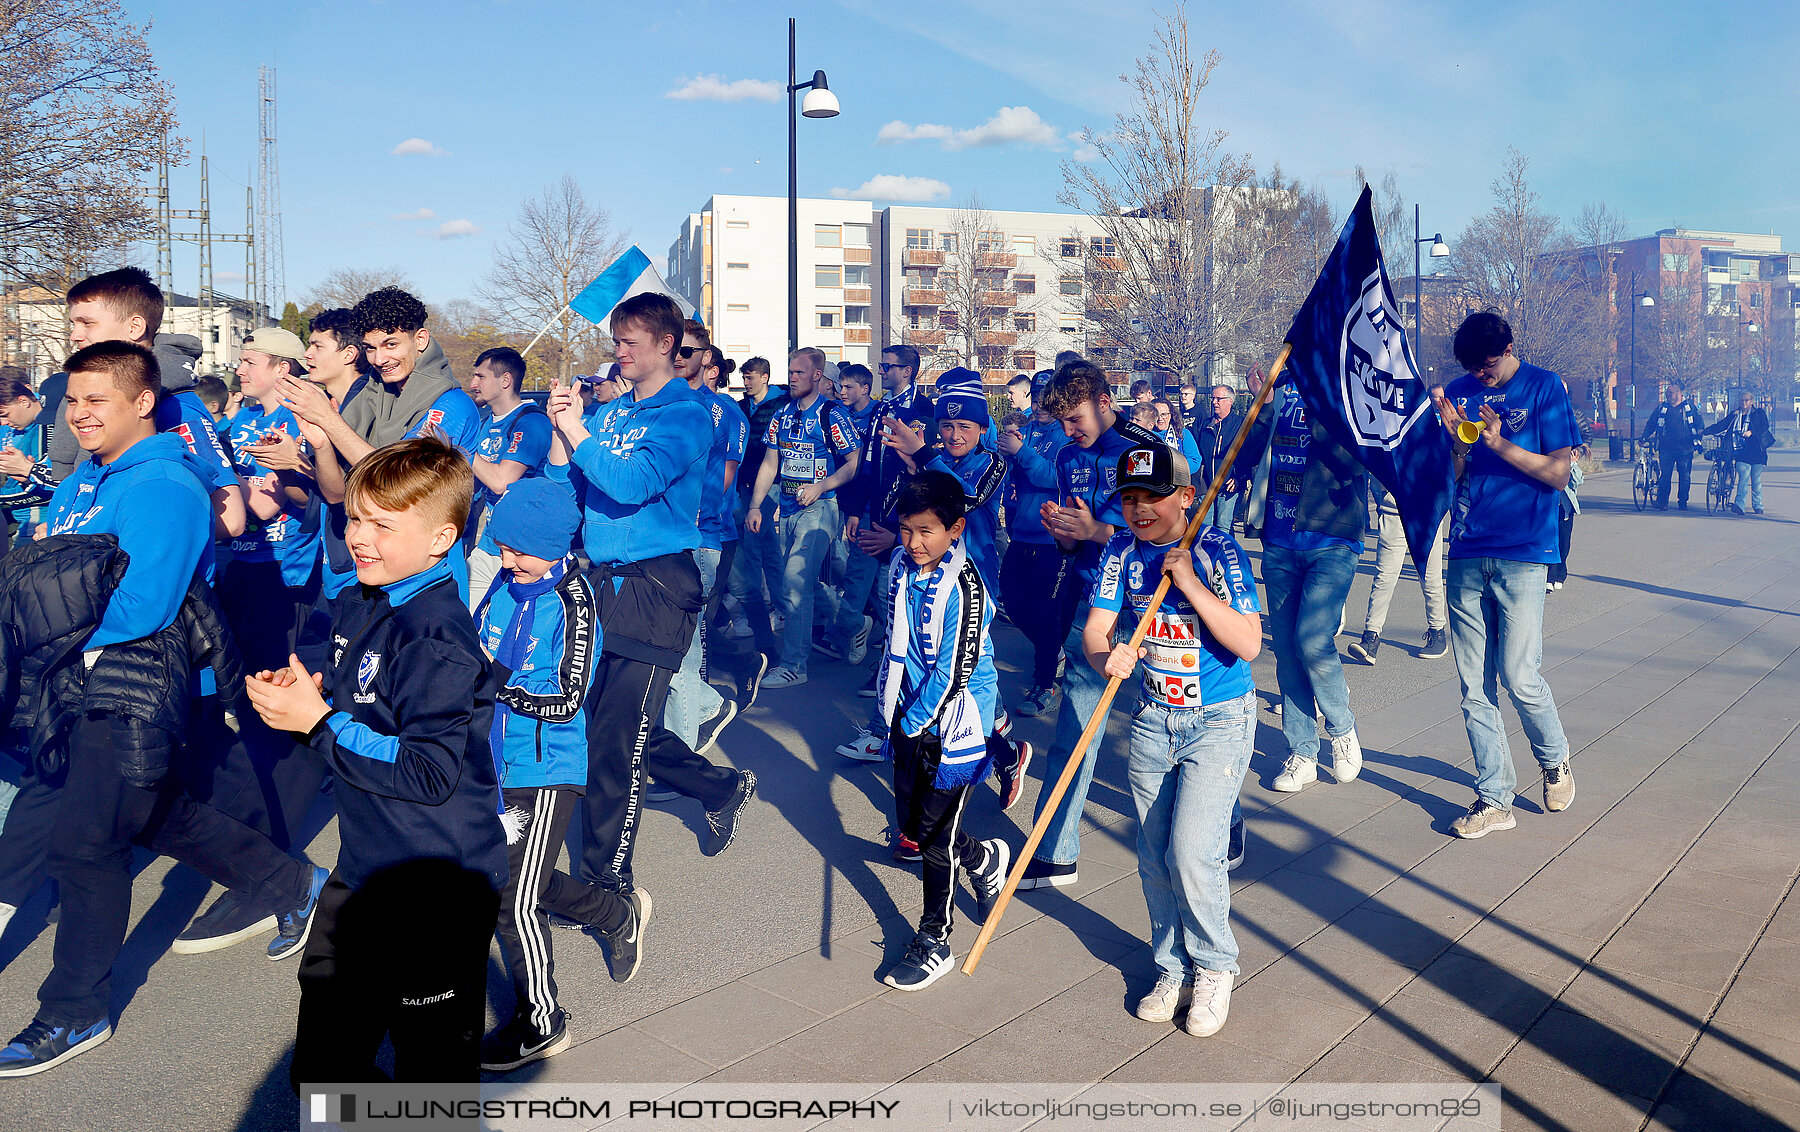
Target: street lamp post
[(1438, 251), (1638, 299), (1745, 326), (819, 103)]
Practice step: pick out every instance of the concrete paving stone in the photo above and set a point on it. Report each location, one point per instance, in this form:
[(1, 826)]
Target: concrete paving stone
[(1693, 1104), (1786, 922), (1633, 824), (1748, 1063), (1512, 998), (1180, 1057), (1287, 1026), (1407, 942), (1682, 959), (1349, 1063), (877, 1041), (1035, 1047), (759, 1019), (1273, 916), (1774, 959), (1356, 979), (1465, 1042), (1350, 864), (1663, 1015), (1323, 896), (820, 984), (1752, 862), (1542, 952), (1765, 1005), (1690, 886), (1475, 869), (1537, 1096), (1716, 925), (1614, 1059), (1448, 911), (976, 1005), (776, 1065), (624, 1053), (1051, 943), (1102, 1005), (1277, 838), (1541, 905)]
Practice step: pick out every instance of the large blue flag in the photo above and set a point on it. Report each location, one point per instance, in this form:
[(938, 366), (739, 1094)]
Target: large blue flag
[(1355, 370), (630, 274)]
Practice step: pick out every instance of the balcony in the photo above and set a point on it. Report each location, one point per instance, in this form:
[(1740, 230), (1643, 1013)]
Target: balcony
[(996, 261), (999, 300), (856, 336), (1106, 263), (856, 295), (997, 377), (856, 255), (999, 338), (920, 297), (923, 257), (921, 336), (1098, 303)]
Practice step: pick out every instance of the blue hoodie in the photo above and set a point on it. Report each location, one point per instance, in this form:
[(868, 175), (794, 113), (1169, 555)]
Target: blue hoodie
[(1091, 474), (1032, 482), (638, 477), (544, 637), (718, 504), (983, 475), (151, 497)]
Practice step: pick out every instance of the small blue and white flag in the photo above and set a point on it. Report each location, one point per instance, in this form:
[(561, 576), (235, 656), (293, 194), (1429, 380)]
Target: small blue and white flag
[(630, 274), (1355, 370)]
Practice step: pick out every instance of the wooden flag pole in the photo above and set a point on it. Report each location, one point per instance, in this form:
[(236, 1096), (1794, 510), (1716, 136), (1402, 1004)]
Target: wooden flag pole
[(527, 350), (1098, 719)]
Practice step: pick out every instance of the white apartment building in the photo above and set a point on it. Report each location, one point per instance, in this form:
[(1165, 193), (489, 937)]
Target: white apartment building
[(871, 278), (37, 330)]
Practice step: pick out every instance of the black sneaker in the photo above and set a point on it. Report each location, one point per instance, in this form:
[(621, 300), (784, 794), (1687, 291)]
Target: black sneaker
[(709, 731), (1234, 852), (1365, 649), (1012, 776), (1437, 643), (625, 947), (723, 822), (1042, 874), (1036, 702), (759, 667), (870, 690), (42, 1046), (987, 881), (520, 1043), (293, 926), (927, 960), (230, 920)]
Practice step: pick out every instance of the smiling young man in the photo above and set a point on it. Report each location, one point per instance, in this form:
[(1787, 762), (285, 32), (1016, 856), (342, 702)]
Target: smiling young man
[(1081, 524), (514, 442), (1503, 536)]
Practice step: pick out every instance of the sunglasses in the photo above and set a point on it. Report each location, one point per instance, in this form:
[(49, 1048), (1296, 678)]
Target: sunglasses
[(885, 366), (689, 351)]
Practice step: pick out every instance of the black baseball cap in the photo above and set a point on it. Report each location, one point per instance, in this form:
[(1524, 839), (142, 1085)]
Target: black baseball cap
[(1156, 468)]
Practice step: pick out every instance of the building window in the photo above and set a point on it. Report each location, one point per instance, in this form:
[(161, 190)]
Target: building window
[(856, 275), (739, 349), (1675, 261), (828, 318), (1071, 284), (947, 242), (991, 357), (737, 308), (947, 319), (1071, 247), (921, 277), (833, 353), (1024, 320), (1024, 284), (1025, 360), (856, 316), (828, 236), (737, 224), (1069, 324), (828, 275), (990, 241), (1755, 299), (1024, 246), (856, 235), (737, 267), (1101, 245), (918, 239)]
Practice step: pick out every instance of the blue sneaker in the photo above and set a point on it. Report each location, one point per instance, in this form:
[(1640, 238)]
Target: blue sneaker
[(292, 927), (42, 1046)]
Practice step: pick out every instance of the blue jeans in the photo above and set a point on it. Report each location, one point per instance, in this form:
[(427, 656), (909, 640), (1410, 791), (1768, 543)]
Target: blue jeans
[(692, 701), (1081, 687), (1497, 632), (859, 580), (1307, 591), (1224, 508), (806, 537), (1187, 767), (756, 569), (1749, 479)]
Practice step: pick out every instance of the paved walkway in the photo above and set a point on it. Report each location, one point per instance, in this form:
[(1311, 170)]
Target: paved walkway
[(1632, 962)]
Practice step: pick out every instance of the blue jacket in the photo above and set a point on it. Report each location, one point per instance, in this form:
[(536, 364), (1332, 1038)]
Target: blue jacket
[(1090, 474), (638, 478), (881, 467), (983, 476), (408, 741), (731, 435), (151, 497), (1032, 482), (544, 637)]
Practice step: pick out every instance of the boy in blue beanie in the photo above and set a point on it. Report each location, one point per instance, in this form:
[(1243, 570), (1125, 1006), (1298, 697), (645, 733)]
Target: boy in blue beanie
[(538, 623)]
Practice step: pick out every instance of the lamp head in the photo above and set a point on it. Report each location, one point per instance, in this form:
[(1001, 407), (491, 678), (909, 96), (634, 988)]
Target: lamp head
[(1439, 249), (819, 101), (1646, 301), (1751, 327)]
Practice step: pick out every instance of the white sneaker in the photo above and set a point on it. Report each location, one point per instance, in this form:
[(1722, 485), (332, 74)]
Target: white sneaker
[(1170, 993), (783, 677), (1297, 774), (865, 748), (1346, 757), (859, 644), (1212, 1003)]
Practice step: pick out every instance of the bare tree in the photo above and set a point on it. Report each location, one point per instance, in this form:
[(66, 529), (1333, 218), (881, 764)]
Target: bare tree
[(84, 115), (558, 244), (1164, 193), (346, 286), (980, 318)]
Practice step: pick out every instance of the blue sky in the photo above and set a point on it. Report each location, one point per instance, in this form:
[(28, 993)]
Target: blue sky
[(1674, 113)]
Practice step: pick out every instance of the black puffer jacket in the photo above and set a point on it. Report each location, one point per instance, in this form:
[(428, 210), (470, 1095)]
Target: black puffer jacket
[(145, 684)]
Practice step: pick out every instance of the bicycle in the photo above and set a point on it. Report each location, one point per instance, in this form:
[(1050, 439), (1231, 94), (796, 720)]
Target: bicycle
[(1646, 469), (1721, 478)]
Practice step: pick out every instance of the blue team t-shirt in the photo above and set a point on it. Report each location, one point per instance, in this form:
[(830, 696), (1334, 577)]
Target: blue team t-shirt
[(455, 415), (811, 443), (185, 415), (731, 434), (1500, 512), (1091, 475), (285, 538), (1292, 444), (1184, 665)]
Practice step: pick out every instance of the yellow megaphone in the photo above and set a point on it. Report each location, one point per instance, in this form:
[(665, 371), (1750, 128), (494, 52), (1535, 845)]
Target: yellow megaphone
[(1468, 431)]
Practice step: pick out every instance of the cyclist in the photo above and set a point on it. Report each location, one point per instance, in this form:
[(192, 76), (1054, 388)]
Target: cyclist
[(1675, 426)]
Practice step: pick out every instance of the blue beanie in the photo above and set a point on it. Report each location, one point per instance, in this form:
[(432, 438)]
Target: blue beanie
[(536, 517), (960, 397)]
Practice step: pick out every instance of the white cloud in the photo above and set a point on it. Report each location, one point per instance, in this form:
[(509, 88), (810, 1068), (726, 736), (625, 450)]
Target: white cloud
[(892, 186), (716, 88), (1010, 125), (421, 214), (1085, 149), (451, 229), (419, 147)]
